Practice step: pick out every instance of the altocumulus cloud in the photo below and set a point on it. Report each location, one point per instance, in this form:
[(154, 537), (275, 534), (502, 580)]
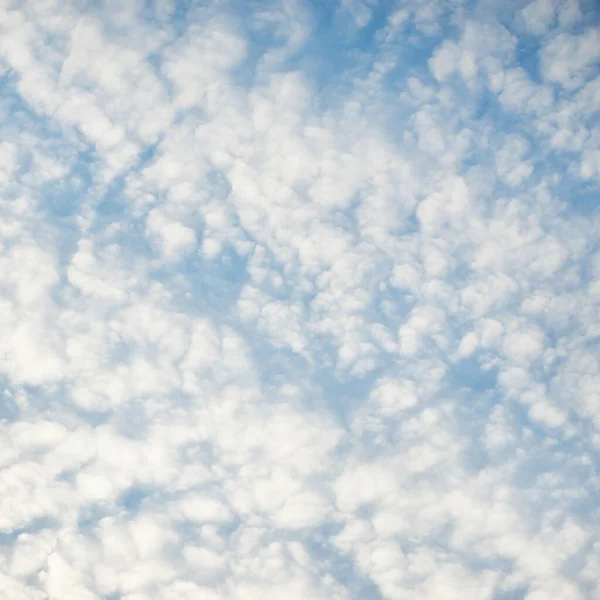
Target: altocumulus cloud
[(299, 300)]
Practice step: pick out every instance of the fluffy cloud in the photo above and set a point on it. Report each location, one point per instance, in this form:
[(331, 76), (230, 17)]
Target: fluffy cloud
[(299, 301)]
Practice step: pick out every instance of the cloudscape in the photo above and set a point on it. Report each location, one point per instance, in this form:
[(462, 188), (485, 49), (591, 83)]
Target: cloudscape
[(299, 300)]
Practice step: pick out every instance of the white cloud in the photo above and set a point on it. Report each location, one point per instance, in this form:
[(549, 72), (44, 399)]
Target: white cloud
[(297, 303), (539, 16), (569, 59), (173, 238), (445, 59), (509, 161)]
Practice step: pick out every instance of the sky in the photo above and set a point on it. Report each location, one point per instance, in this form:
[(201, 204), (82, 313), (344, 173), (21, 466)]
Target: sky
[(299, 300)]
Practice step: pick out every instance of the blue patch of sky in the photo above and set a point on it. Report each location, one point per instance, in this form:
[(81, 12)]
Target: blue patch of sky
[(46, 400), (130, 419), (278, 365), (90, 515), (546, 452), (335, 53), (342, 393), (340, 567), (580, 195), (177, 18), (414, 50), (527, 57), (393, 306), (10, 537), (590, 12), (473, 409), (200, 285), (112, 200), (9, 408), (190, 532), (133, 497), (22, 116), (335, 59), (324, 388), (468, 373), (516, 593)]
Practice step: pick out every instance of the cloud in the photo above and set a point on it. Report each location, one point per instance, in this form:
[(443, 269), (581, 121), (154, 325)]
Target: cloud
[(298, 300), (539, 16), (568, 60)]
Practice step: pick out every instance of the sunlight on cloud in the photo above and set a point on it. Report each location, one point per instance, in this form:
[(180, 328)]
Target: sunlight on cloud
[(299, 300)]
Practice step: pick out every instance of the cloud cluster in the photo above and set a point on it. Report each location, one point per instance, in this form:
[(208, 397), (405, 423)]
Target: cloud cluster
[(299, 300)]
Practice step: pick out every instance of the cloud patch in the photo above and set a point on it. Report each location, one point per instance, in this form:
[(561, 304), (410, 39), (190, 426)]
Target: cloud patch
[(298, 324)]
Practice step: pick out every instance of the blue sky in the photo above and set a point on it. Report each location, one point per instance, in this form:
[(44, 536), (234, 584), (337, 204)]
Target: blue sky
[(299, 300)]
